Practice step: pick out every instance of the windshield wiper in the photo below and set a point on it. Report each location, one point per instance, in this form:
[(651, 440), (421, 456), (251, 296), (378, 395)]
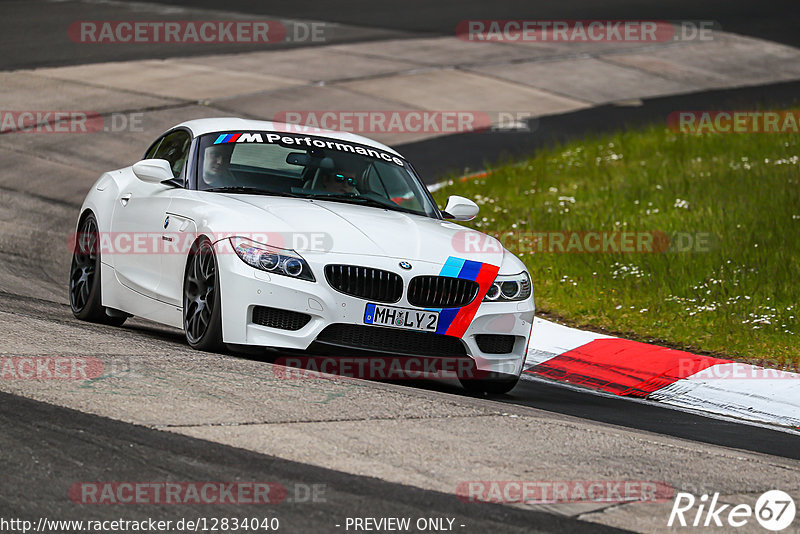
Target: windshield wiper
[(367, 201), (251, 191)]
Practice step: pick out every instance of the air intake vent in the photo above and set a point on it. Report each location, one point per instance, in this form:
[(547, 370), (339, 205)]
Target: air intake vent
[(365, 282), (392, 341), (283, 319), (441, 292), (495, 343)]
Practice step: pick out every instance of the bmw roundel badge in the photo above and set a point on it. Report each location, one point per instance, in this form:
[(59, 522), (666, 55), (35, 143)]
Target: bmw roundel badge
[(166, 222), (405, 265)]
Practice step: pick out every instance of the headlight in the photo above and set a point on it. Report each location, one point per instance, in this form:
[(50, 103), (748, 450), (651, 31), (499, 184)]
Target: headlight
[(272, 259), (509, 287)]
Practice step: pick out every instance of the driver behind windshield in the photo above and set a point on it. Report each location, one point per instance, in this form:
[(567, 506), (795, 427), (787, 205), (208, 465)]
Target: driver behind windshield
[(342, 180), (215, 165)]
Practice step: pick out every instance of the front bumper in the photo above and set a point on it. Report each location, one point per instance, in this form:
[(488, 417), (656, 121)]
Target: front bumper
[(243, 288)]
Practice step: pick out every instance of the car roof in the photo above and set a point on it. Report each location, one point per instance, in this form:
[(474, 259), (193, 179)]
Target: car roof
[(221, 124)]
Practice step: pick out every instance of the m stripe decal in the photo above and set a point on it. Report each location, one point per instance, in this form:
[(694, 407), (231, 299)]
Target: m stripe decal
[(455, 321)]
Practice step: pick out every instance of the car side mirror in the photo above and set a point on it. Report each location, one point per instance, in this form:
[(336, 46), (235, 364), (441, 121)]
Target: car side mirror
[(460, 209), (153, 170)]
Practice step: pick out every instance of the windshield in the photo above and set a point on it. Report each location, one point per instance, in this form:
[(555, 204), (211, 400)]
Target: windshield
[(310, 167)]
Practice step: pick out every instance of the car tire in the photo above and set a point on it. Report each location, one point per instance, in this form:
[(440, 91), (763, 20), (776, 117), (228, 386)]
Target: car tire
[(85, 293), (202, 308), (494, 383)]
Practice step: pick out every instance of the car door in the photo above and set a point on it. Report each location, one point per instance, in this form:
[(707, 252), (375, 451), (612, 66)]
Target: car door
[(140, 218), (179, 234)]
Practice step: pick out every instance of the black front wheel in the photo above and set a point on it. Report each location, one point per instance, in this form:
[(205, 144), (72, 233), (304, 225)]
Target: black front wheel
[(84, 277), (202, 317)]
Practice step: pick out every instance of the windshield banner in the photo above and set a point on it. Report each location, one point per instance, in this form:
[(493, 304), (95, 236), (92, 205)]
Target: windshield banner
[(308, 142)]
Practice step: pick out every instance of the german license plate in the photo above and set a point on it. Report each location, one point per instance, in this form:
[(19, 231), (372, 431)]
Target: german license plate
[(394, 317)]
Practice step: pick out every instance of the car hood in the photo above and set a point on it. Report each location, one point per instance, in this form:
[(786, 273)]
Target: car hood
[(312, 226)]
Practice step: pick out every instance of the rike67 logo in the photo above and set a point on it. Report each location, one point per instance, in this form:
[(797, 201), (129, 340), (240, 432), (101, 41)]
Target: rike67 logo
[(774, 510)]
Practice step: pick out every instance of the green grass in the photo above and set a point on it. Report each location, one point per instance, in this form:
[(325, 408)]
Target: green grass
[(737, 297)]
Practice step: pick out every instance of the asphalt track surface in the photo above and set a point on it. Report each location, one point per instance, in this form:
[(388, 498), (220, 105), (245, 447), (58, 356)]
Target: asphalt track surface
[(44, 448), (759, 19), (653, 418), (32, 33), (650, 417)]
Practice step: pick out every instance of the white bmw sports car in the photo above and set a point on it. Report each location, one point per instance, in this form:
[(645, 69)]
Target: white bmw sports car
[(252, 233)]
